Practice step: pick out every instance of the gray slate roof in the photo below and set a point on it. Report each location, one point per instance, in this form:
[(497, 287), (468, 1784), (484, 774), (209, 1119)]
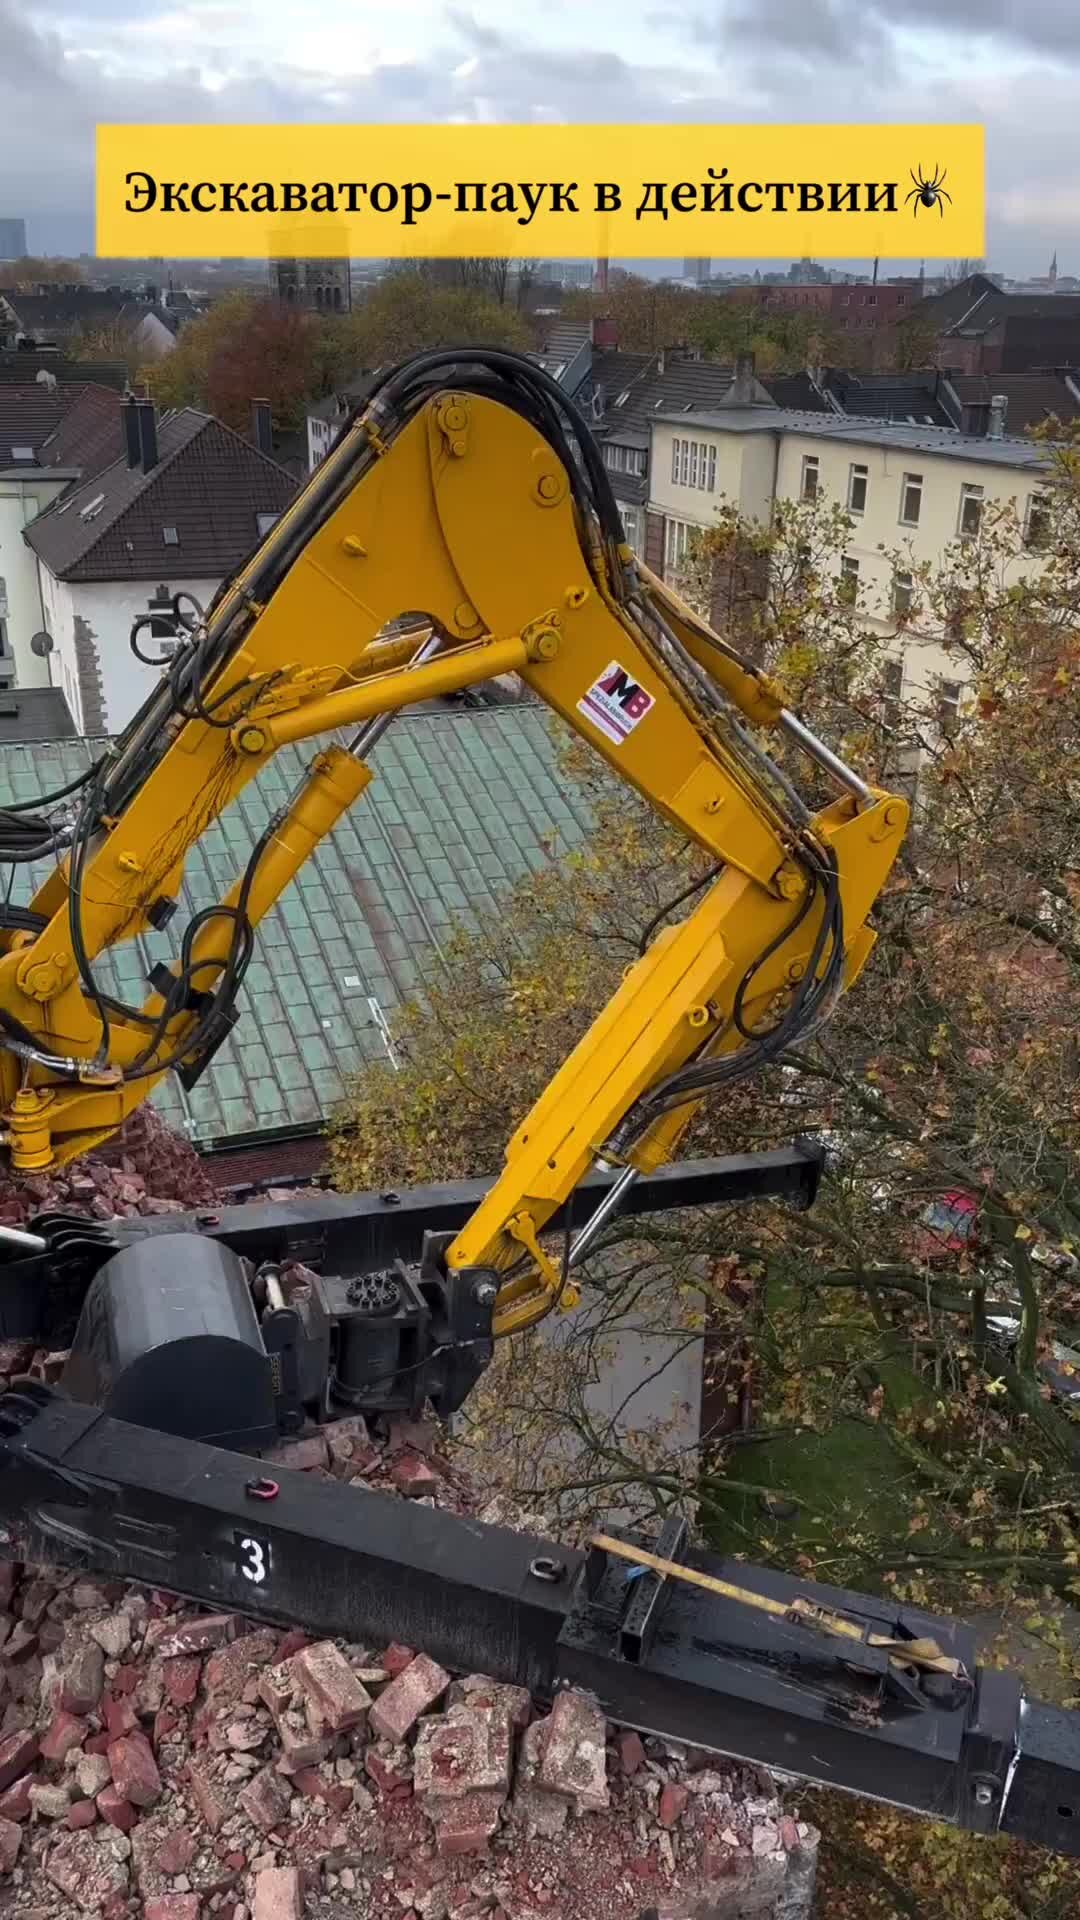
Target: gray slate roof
[(464, 804), (208, 483), (35, 713)]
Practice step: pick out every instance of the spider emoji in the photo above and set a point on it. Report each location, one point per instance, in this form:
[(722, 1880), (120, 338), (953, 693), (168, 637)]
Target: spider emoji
[(929, 193)]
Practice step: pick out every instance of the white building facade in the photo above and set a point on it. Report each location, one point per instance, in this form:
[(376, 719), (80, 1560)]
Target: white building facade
[(909, 491)]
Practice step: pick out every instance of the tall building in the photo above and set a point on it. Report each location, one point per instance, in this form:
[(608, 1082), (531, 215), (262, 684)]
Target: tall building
[(12, 239), (324, 286), (697, 270)]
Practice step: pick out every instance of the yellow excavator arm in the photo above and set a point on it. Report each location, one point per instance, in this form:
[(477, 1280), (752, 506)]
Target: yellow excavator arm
[(469, 489)]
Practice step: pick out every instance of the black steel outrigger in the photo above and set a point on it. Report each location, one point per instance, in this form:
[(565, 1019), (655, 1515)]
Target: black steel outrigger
[(812, 1682)]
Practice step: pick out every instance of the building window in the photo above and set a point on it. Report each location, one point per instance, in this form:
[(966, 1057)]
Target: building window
[(910, 499), (676, 542), (871, 299), (170, 536), (1037, 524), (948, 705), (971, 505), (892, 692), (903, 595), (630, 526), (849, 580), (856, 492), (264, 522), (810, 467), (845, 299), (693, 464)]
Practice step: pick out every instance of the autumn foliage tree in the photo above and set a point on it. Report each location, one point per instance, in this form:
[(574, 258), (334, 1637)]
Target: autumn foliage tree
[(908, 1427), (248, 347)]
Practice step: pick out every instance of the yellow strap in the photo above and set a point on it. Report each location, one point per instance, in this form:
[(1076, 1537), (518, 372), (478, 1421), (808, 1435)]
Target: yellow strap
[(903, 1653)]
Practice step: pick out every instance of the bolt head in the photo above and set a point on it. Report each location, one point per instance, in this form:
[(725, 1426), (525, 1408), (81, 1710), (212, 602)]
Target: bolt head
[(984, 1796), (485, 1293), (548, 486)]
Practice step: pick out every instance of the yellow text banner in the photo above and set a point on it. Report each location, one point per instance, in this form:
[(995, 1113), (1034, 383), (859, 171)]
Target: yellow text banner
[(399, 192)]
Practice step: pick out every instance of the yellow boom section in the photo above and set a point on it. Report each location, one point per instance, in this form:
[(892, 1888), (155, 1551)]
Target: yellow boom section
[(464, 511)]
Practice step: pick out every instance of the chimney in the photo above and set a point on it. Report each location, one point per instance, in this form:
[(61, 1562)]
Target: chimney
[(148, 446), (742, 387), (605, 336), (995, 426), (130, 414), (262, 426)]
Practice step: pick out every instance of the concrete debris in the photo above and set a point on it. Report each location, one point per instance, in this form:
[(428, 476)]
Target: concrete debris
[(162, 1762)]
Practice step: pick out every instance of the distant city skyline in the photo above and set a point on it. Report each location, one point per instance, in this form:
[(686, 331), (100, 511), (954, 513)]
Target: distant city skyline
[(654, 269)]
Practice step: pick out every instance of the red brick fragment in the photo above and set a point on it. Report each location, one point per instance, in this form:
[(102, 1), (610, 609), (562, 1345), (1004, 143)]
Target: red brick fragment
[(326, 1679), (789, 1833), (673, 1801), (10, 1843), (463, 1752), (65, 1733), (15, 1800), (574, 1752), (277, 1686), (302, 1455), (172, 1906), (17, 1753), (82, 1678), (467, 1825), (207, 1799), (198, 1634), (396, 1659), (134, 1770), (277, 1895), (292, 1642), (82, 1814), (631, 1752), (115, 1810), (180, 1678), (84, 1868), (413, 1477), (176, 1852), (20, 1644), (265, 1799), (391, 1769), (415, 1691), (333, 1793), (120, 1717)]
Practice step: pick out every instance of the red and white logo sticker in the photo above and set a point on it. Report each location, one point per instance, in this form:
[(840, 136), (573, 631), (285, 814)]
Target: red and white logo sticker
[(615, 703)]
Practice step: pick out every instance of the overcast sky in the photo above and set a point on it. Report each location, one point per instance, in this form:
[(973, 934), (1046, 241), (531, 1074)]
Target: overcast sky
[(1012, 64)]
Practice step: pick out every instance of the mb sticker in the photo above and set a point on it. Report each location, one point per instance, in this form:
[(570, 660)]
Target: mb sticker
[(615, 703)]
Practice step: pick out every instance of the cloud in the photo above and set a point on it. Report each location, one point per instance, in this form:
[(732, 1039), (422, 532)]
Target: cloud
[(618, 60)]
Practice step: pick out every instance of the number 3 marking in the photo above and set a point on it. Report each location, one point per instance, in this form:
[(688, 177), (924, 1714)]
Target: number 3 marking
[(253, 1561)]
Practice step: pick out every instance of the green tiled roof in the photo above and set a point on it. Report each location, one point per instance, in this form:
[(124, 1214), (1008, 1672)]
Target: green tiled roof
[(463, 804)]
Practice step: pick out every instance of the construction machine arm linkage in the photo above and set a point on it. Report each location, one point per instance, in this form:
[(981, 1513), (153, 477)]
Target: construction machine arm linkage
[(456, 491)]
